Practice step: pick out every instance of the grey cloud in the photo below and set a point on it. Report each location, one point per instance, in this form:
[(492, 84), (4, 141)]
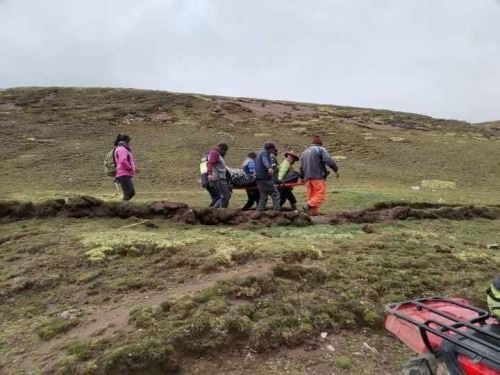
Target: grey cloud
[(437, 57)]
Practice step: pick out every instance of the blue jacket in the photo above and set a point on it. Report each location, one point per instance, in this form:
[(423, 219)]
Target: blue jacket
[(249, 166), (262, 165)]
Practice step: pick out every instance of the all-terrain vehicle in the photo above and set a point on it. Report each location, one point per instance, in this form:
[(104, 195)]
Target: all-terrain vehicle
[(450, 336)]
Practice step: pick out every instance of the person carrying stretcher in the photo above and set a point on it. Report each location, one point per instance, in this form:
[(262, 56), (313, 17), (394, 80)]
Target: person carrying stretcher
[(286, 175)]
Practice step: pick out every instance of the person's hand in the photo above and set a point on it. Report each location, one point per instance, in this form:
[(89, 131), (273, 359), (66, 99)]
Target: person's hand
[(280, 183), (270, 171), (137, 170), (211, 178)]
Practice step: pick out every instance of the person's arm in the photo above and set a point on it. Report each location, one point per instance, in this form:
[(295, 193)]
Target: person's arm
[(328, 160), (301, 169), (274, 162), (212, 159), (122, 159), (267, 164), (284, 168)]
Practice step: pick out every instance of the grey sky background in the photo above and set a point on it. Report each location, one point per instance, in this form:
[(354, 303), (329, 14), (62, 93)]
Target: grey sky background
[(436, 57)]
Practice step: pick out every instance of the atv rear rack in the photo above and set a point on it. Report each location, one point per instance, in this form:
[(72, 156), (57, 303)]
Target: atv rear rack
[(451, 328)]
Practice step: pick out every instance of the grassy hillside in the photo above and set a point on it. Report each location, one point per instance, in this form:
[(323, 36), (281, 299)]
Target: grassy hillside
[(53, 142), (115, 295)]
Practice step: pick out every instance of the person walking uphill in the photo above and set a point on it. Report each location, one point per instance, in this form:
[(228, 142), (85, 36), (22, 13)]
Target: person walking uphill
[(264, 176), (313, 170), (217, 174), (286, 171), (125, 166)]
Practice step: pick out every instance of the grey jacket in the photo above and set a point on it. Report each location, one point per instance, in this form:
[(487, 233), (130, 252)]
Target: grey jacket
[(314, 161)]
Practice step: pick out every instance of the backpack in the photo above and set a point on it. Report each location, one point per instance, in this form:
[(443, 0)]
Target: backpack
[(110, 163), (204, 171), (203, 164)]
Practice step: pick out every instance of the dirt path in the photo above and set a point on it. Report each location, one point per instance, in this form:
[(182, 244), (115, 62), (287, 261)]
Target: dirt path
[(112, 319)]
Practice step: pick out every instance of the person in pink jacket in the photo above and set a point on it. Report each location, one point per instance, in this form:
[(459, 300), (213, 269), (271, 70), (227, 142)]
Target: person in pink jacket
[(125, 166)]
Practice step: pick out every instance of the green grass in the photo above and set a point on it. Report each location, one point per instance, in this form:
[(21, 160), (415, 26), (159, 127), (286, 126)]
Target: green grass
[(71, 143), (50, 328), (192, 292), (319, 279)]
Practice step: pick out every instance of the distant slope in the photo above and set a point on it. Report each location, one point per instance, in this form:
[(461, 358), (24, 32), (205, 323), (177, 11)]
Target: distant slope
[(488, 123), (491, 128), (54, 140)]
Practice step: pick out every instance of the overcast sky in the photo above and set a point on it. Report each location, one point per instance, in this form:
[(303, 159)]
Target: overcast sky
[(436, 57)]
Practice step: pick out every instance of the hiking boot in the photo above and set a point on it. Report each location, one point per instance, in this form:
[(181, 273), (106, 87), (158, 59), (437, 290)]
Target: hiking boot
[(293, 207), (307, 209)]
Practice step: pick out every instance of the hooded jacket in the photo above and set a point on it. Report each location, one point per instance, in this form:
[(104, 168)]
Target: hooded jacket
[(124, 161)]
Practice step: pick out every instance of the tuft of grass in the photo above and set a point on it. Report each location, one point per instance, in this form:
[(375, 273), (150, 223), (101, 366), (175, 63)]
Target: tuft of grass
[(299, 255), (220, 258), (297, 272), (242, 256), (145, 317), (51, 328), (344, 362), (215, 263), (147, 355), (82, 351), (132, 243)]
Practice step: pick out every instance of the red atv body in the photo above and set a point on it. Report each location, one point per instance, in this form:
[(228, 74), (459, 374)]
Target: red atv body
[(450, 335)]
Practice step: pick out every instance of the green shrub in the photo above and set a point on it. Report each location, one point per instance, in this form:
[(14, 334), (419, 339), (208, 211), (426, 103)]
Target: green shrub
[(145, 317), (344, 362)]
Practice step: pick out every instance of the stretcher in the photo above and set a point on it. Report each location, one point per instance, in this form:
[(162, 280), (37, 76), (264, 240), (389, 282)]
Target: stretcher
[(254, 187)]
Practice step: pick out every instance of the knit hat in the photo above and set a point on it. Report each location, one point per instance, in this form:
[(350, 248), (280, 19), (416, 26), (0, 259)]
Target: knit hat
[(316, 140)]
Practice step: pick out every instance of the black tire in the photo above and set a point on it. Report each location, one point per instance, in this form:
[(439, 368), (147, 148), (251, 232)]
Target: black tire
[(423, 365)]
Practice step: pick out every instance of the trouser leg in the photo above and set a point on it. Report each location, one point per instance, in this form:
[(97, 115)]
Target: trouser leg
[(291, 198), (283, 196), (263, 193), (214, 195), (287, 194), (275, 197), (267, 188), (127, 187), (225, 195), (256, 197), (310, 192), (250, 199), (316, 192)]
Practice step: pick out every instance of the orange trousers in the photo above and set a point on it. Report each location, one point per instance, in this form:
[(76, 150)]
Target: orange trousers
[(316, 194)]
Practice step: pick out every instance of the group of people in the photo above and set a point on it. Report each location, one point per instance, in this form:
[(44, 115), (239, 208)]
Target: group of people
[(263, 177)]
